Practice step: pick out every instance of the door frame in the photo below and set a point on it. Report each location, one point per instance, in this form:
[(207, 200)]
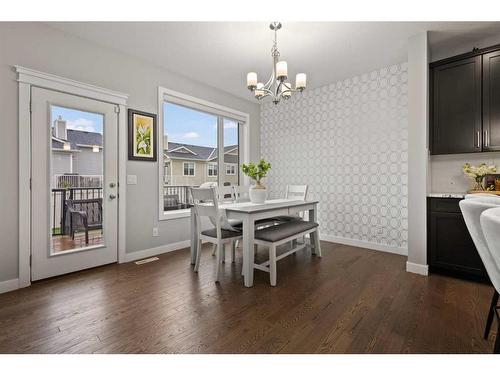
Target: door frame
[(26, 79)]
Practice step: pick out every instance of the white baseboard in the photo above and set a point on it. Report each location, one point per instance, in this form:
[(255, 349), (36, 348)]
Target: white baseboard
[(421, 269), (8, 285), (130, 257), (364, 244)]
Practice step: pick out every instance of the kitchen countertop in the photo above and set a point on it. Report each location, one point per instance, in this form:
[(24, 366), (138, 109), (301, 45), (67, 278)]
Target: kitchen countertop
[(447, 195)]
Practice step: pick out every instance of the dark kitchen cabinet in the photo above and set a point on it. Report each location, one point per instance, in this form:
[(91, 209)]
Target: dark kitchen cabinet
[(449, 246), (464, 101), (491, 101), (456, 107)]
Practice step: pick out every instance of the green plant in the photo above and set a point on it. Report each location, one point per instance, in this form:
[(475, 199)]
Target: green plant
[(256, 171), (65, 185)]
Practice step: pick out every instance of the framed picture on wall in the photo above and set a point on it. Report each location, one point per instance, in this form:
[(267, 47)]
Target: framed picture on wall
[(141, 136)]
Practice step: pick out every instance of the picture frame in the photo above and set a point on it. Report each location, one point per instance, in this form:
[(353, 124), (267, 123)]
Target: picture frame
[(142, 134)]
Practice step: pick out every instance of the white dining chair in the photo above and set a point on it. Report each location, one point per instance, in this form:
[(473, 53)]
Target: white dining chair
[(225, 194), (490, 224), (296, 192), (471, 211), (205, 204), (241, 193)]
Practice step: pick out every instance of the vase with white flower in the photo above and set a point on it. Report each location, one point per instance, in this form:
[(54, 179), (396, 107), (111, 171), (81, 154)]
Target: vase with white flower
[(477, 174), (257, 192)]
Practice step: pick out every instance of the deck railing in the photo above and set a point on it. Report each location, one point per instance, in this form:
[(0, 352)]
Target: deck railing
[(62, 181), (176, 197), (59, 197)]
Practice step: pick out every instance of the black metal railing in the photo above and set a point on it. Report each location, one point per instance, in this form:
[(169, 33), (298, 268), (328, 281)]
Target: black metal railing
[(59, 198)]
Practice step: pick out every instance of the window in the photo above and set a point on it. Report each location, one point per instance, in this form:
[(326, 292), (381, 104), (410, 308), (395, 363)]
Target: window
[(230, 169), (198, 140), (212, 169), (188, 169)]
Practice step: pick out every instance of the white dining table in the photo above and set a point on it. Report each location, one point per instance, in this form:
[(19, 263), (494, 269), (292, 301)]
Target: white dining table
[(249, 213)]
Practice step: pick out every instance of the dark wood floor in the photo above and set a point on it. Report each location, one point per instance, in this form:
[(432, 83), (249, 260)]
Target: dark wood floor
[(350, 301)]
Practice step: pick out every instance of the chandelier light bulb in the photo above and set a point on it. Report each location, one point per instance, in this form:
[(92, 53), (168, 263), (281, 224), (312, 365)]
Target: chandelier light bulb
[(259, 92), (300, 81), (281, 70), (252, 80)]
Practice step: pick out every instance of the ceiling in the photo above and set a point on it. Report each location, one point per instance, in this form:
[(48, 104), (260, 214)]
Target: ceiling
[(220, 54)]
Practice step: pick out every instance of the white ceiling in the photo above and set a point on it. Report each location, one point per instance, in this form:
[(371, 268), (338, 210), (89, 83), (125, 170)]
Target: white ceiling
[(221, 53)]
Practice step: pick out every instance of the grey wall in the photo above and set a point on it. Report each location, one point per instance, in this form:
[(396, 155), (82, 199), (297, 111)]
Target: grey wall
[(43, 48)]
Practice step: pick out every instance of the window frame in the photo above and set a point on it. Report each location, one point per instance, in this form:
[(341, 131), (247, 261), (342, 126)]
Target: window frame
[(233, 166), (216, 169), (242, 118), (184, 169)]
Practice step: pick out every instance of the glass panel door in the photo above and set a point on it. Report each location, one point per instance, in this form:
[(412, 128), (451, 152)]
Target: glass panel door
[(76, 177), (74, 195)]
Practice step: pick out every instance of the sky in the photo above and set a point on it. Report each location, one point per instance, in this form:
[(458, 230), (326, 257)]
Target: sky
[(181, 124), (184, 125), (78, 120)]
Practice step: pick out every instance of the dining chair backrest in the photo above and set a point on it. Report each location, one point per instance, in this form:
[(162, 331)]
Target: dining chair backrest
[(205, 204), (471, 211), (241, 192), (225, 194), (490, 223), (298, 192)]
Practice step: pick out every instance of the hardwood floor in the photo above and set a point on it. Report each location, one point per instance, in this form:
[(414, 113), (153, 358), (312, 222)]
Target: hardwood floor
[(350, 301)]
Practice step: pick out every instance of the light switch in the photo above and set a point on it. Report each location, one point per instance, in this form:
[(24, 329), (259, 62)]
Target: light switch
[(131, 179)]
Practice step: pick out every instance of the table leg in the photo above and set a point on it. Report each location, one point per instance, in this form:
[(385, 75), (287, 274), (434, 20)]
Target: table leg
[(194, 237), (248, 250)]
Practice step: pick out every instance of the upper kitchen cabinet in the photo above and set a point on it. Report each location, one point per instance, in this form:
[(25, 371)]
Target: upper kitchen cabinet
[(455, 100), (491, 101), (465, 103)]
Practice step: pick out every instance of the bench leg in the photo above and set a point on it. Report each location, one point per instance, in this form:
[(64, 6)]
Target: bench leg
[(214, 248), (233, 251), (314, 236), (272, 265)]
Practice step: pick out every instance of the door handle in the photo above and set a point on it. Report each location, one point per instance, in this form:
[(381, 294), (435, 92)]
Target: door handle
[(486, 139), (478, 139), (112, 196)]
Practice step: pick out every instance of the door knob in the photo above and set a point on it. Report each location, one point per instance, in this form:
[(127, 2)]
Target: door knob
[(112, 196)]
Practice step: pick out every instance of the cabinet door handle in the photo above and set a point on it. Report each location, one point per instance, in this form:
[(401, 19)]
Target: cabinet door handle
[(486, 139), (478, 145)]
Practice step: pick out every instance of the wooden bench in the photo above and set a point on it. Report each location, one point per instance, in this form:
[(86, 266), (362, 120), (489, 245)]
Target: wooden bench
[(276, 235)]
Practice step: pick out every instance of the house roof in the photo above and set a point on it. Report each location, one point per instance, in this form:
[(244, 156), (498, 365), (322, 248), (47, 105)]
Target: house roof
[(77, 138), (203, 153)]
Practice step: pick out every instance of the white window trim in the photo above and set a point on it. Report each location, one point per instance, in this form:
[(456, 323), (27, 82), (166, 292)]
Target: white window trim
[(209, 164), (27, 78), (175, 97), (194, 169), (231, 165)]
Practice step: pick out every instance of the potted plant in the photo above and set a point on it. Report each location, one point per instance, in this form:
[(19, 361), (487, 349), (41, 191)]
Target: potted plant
[(257, 172), (478, 173)]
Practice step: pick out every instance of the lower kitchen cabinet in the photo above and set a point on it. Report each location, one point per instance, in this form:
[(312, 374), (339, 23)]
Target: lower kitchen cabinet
[(449, 246)]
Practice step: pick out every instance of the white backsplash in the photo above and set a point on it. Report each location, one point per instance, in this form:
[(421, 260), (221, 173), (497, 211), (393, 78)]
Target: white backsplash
[(446, 170)]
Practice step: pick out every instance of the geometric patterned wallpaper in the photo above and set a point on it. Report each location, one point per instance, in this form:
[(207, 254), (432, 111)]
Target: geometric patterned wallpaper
[(349, 142)]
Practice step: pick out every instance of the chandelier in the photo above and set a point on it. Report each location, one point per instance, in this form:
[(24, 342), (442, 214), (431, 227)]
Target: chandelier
[(276, 87)]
